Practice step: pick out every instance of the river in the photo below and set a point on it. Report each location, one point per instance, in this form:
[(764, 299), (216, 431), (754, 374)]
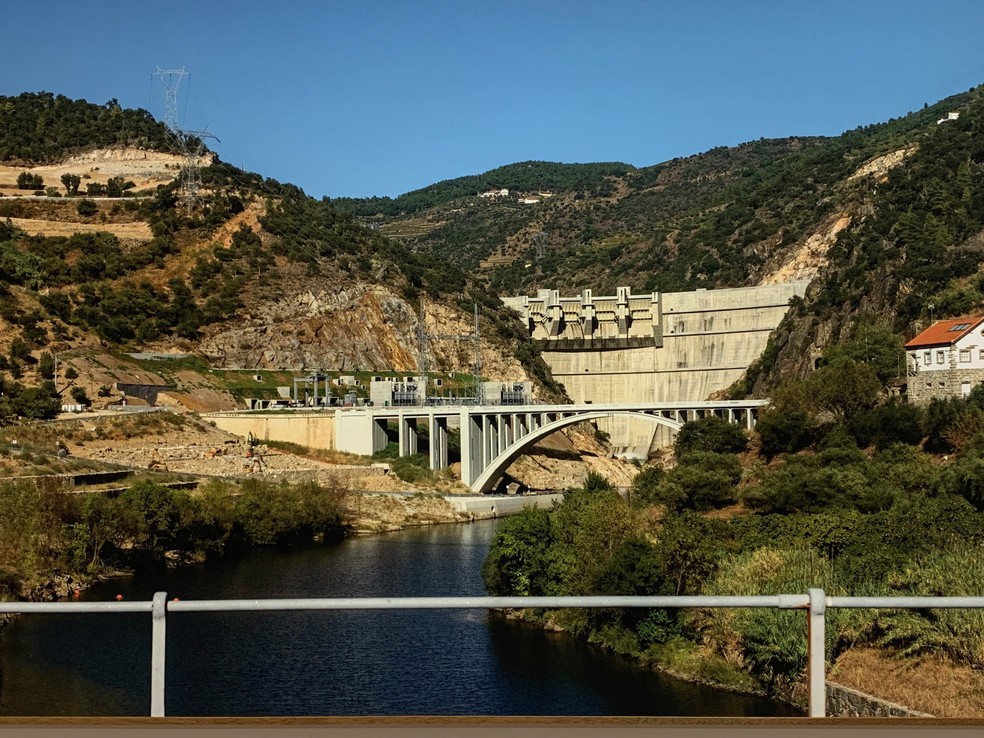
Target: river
[(334, 663)]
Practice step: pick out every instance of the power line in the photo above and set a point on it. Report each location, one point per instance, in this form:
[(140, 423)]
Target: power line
[(191, 144)]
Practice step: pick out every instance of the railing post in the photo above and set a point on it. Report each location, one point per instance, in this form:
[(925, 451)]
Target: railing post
[(816, 655), (159, 635)]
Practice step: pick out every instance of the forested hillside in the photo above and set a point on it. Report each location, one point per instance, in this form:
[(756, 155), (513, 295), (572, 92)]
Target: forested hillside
[(528, 176), (897, 209), (40, 127)]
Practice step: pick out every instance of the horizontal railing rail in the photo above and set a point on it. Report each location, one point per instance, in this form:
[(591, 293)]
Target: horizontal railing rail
[(814, 604)]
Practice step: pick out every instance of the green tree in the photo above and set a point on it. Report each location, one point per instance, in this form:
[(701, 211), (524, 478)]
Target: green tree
[(843, 387), (874, 345), (46, 365), (28, 181), (158, 511), (784, 431), (79, 395), (71, 183), (517, 561)]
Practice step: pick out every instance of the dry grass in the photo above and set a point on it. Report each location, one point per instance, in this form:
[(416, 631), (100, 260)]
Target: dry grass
[(39, 227), (928, 684)]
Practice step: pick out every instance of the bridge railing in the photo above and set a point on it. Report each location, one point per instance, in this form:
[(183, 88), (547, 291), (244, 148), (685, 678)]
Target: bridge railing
[(814, 604)]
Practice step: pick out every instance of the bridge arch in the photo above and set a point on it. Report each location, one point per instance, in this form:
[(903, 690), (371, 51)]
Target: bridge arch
[(490, 475)]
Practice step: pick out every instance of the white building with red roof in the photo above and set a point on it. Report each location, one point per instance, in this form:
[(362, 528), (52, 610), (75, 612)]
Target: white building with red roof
[(946, 359)]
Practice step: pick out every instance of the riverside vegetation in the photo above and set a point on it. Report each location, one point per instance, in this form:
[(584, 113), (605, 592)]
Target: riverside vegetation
[(46, 531), (837, 487)]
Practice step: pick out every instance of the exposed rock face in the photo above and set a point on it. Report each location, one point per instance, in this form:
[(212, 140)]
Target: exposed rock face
[(357, 327), (564, 459), (880, 166), (804, 261)]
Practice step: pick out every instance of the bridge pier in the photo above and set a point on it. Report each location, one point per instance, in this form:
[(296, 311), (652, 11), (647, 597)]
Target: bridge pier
[(493, 436), (359, 432), (471, 446), (438, 430), (407, 435)]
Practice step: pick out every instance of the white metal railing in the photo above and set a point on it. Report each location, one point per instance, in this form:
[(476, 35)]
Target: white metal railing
[(815, 604)]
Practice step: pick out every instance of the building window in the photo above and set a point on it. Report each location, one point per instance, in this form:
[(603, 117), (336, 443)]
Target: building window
[(964, 356), (927, 358), (980, 354), (940, 356)]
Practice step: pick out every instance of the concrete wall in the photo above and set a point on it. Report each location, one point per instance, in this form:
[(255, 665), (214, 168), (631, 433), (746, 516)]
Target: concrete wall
[(314, 430), (708, 337), (497, 506)]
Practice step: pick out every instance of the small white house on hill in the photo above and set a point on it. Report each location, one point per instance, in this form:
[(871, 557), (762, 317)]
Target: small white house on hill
[(946, 359)]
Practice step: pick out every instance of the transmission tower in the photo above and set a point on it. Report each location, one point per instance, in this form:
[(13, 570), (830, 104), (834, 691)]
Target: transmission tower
[(477, 363), (423, 363), (539, 244), (423, 357), (191, 144), (171, 80)]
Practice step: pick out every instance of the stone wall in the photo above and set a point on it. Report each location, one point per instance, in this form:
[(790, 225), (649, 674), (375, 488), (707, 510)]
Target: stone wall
[(846, 702), (926, 385)]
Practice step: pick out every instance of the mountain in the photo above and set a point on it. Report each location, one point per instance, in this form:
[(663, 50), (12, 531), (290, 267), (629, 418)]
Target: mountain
[(886, 219), (252, 275)]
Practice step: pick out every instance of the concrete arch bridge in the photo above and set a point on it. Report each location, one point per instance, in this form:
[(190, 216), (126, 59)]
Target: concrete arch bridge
[(492, 437)]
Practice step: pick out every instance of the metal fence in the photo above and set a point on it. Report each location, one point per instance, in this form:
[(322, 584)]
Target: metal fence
[(814, 604)]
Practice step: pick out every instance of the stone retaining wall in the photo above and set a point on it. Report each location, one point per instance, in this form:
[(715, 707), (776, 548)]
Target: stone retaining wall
[(845, 702)]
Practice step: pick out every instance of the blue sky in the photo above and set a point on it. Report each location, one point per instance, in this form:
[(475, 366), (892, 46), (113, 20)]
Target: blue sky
[(356, 98)]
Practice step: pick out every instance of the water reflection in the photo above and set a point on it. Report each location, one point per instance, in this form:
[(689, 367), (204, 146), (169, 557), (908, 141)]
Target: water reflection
[(333, 663)]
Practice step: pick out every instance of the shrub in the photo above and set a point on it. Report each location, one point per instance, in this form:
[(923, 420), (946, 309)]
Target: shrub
[(86, 208), (413, 469), (645, 487), (893, 422), (784, 431), (710, 434)]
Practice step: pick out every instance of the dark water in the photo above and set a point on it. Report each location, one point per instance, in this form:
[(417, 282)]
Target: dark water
[(334, 663)]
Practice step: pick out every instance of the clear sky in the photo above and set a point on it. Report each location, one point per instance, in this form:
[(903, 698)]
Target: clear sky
[(379, 97)]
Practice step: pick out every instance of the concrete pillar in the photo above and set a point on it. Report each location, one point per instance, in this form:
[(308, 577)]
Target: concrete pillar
[(491, 447), (622, 315), (472, 443), (380, 440), (438, 431), (749, 419), (407, 435), (587, 314), (656, 313), (509, 435), (555, 315), (522, 425), (500, 434)]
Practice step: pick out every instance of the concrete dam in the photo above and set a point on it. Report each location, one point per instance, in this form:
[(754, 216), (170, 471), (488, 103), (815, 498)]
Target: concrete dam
[(655, 347)]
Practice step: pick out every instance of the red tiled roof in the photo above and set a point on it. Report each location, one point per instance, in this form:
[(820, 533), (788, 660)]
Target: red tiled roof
[(946, 332)]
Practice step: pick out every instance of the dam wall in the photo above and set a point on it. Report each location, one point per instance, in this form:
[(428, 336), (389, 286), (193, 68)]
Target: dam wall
[(675, 346)]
